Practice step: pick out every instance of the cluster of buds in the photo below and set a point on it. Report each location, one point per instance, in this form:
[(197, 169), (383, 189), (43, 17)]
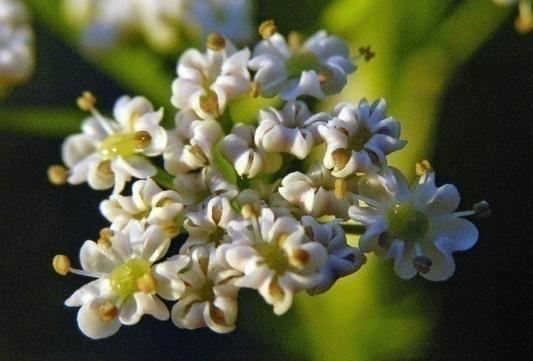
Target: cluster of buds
[(265, 205), (164, 24), (16, 43)]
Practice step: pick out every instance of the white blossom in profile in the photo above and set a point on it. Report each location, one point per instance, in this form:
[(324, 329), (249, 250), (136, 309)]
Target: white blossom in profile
[(275, 257), (291, 130), (127, 284), (359, 137), (239, 148), (342, 260), (147, 203), (417, 226), (190, 144), (207, 82), (16, 43), (110, 151), (315, 192), (317, 68), (210, 295)]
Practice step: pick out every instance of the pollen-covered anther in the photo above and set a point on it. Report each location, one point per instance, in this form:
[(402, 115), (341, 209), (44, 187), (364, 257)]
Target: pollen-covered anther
[(295, 40), (107, 311), (422, 264), (147, 283), (61, 264), (423, 167), (86, 101), (57, 175), (209, 104), (341, 157), (104, 168), (250, 211), (215, 42), (267, 29), (340, 188), (254, 89), (142, 139), (482, 210)]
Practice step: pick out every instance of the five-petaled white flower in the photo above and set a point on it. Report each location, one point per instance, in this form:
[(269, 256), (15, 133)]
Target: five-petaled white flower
[(275, 256), (148, 203), (110, 151), (127, 284), (207, 227), (206, 83), (318, 68), (238, 147), (359, 137), (291, 130), (191, 143), (416, 226), (209, 298), (16, 43), (343, 259)]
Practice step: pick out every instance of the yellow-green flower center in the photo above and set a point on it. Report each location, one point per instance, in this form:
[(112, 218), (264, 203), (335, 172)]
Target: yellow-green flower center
[(301, 61), (118, 144), (274, 257), (124, 277), (406, 223), (206, 293), (359, 139)]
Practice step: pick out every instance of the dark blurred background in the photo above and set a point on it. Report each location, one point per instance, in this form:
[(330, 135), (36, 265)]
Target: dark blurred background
[(483, 146)]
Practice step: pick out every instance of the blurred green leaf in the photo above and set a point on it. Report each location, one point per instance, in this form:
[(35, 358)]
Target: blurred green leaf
[(40, 121)]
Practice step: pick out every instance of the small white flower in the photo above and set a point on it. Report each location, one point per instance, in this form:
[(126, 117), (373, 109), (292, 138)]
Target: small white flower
[(416, 226), (194, 188), (127, 284), (229, 18), (207, 227), (314, 192), (359, 137), (318, 68), (109, 152), (275, 256), (210, 295), (207, 82), (292, 130), (342, 261), (265, 195), (191, 143), (239, 149), (148, 203), (16, 43)]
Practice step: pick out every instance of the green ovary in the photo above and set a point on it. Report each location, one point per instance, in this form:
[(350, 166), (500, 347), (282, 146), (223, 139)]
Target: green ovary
[(406, 223), (121, 144), (124, 277), (301, 61), (274, 257)]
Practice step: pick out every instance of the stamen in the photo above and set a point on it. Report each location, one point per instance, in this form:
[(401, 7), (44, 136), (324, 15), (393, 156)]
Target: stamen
[(57, 175), (341, 157), (340, 188), (198, 153), (254, 89), (423, 167), (142, 139), (147, 283), (295, 40), (267, 29), (215, 42), (275, 290), (482, 210), (216, 214), (86, 101), (61, 264), (107, 311), (250, 211), (299, 258)]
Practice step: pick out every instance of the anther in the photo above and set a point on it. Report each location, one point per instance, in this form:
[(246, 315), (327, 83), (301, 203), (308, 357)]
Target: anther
[(340, 188), (209, 104), (482, 210), (107, 311), (254, 89), (267, 29), (275, 290), (104, 168), (341, 157), (61, 264), (295, 40), (422, 264), (142, 139), (198, 153), (86, 101), (146, 283), (366, 52), (299, 258), (423, 167), (216, 214), (57, 175), (250, 211), (215, 42)]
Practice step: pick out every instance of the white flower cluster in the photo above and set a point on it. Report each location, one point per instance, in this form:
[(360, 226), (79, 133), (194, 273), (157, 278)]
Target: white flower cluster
[(524, 20), (165, 24), (16, 43), (264, 206)]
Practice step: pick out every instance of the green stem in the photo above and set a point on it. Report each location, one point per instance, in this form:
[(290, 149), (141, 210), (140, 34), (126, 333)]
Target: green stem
[(164, 179), (40, 121)]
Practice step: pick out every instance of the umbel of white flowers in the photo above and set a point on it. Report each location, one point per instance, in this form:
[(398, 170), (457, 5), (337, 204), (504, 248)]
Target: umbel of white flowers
[(265, 206)]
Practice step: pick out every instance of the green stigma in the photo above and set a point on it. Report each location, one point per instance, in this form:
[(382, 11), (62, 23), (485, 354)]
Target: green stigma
[(115, 145), (301, 61), (406, 223), (274, 257), (124, 277)]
